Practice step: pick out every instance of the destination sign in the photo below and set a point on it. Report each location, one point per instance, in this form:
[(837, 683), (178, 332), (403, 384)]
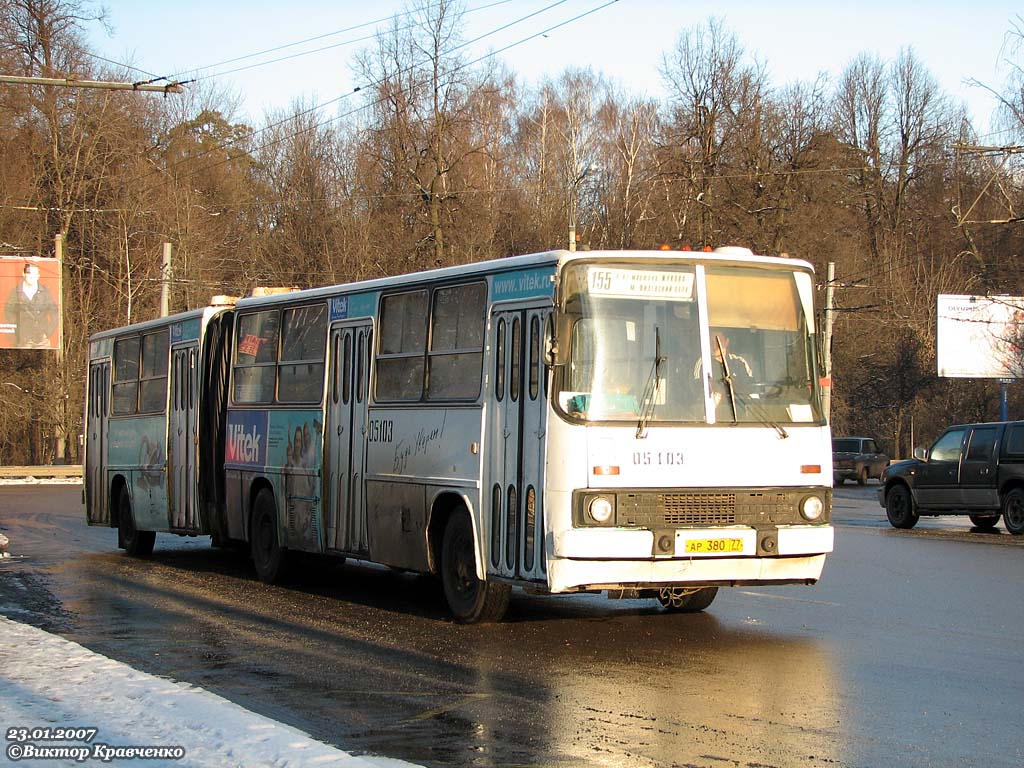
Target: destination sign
[(640, 283)]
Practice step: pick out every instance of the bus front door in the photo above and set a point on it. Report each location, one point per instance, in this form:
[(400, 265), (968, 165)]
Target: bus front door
[(183, 437), (345, 438), (96, 448), (515, 520)]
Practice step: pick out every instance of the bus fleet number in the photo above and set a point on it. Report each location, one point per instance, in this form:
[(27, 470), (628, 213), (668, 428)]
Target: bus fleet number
[(657, 458)]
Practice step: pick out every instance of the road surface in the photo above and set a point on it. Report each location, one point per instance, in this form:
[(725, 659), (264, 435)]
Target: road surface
[(908, 652)]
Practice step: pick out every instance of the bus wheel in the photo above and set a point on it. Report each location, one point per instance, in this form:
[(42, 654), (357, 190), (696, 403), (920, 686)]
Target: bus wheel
[(135, 542), (1013, 511), (683, 600), (899, 508), (470, 599), (270, 559)]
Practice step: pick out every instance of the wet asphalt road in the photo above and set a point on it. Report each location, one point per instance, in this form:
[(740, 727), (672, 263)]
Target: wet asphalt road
[(909, 652)]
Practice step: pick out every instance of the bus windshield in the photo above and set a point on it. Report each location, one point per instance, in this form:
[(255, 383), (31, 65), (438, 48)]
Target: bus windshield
[(635, 351)]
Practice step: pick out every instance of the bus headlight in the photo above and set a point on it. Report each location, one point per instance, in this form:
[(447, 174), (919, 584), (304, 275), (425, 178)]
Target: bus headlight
[(811, 508), (600, 510)]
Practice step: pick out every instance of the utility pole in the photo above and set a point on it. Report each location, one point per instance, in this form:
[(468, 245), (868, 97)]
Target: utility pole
[(165, 282), (827, 335), (60, 440), (70, 82)]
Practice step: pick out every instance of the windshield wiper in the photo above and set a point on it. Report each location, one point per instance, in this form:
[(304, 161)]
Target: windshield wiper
[(651, 388), (762, 415), (728, 378)]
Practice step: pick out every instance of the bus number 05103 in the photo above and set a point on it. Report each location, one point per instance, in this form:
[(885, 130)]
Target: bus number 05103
[(657, 458)]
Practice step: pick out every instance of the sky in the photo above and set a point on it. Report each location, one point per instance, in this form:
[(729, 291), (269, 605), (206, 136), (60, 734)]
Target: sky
[(49, 682), (622, 39)]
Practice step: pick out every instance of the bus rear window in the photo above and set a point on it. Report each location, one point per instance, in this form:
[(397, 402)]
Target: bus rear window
[(140, 374)]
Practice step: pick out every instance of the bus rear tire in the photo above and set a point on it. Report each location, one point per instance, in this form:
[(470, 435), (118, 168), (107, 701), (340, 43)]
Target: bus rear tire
[(135, 542), (268, 557), (470, 599), (685, 600)]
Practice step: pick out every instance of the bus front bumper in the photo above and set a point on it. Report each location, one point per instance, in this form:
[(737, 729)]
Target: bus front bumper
[(604, 559)]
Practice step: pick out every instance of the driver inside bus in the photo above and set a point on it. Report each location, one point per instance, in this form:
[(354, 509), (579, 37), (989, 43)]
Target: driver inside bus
[(729, 372)]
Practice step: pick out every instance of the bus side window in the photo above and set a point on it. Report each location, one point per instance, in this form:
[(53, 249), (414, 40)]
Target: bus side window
[(534, 357), (402, 339), (456, 351), (499, 362), (303, 342), (346, 369), (513, 383), (126, 376), (255, 366), (360, 365)]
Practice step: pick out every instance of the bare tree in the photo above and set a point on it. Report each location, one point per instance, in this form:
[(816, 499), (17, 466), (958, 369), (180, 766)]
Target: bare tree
[(712, 91), (420, 132)]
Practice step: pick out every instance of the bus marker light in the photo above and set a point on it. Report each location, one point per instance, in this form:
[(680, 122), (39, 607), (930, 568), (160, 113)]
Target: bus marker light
[(606, 469), (810, 469)]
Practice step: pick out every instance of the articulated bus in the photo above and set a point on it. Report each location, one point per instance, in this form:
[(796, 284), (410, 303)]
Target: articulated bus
[(644, 423)]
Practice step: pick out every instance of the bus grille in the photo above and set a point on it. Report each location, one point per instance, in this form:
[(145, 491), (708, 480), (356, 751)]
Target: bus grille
[(697, 508), (706, 508)]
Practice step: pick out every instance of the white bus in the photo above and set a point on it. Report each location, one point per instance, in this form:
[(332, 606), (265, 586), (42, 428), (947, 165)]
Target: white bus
[(645, 423)]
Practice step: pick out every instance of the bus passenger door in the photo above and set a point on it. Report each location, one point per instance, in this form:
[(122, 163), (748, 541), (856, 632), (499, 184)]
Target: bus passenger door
[(345, 438), (183, 437), (96, 448), (515, 447)]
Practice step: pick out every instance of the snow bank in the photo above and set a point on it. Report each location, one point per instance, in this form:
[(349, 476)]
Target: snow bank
[(47, 682)]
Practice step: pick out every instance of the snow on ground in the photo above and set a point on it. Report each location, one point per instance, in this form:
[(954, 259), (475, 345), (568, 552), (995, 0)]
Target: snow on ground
[(47, 682)]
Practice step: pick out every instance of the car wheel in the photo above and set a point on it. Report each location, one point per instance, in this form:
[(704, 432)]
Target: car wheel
[(837, 480), (899, 507), (1013, 511), (681, 600), (862, 478), (470, 599), (135, 542), (985, 522), (269, 558)]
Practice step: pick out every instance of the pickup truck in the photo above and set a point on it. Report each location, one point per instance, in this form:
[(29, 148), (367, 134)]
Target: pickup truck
[(972, 469), (856, 458)]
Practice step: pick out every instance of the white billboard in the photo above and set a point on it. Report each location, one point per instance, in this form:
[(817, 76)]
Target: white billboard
[(980, 337)]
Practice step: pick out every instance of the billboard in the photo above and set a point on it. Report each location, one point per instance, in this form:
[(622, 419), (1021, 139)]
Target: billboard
[(980, 337), (30, 315)]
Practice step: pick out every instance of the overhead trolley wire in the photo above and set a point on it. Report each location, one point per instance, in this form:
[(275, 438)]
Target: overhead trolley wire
[(358, 89)]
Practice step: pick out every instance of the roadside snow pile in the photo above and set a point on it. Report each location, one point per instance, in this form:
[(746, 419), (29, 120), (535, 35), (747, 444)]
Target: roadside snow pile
[(48, 683)]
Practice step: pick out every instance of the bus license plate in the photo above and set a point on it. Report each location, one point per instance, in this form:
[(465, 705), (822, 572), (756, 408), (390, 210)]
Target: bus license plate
[(713, 546)]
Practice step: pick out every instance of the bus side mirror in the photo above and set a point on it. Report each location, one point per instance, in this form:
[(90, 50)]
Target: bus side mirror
[(550, 344)]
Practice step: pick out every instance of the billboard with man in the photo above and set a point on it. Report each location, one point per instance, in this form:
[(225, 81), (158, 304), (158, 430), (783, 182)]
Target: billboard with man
[(30, 316)]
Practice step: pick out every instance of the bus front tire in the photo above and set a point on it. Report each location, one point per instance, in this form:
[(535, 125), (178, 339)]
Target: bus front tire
[(268, 557), (683, 600), (470, 599), (135, 542)]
